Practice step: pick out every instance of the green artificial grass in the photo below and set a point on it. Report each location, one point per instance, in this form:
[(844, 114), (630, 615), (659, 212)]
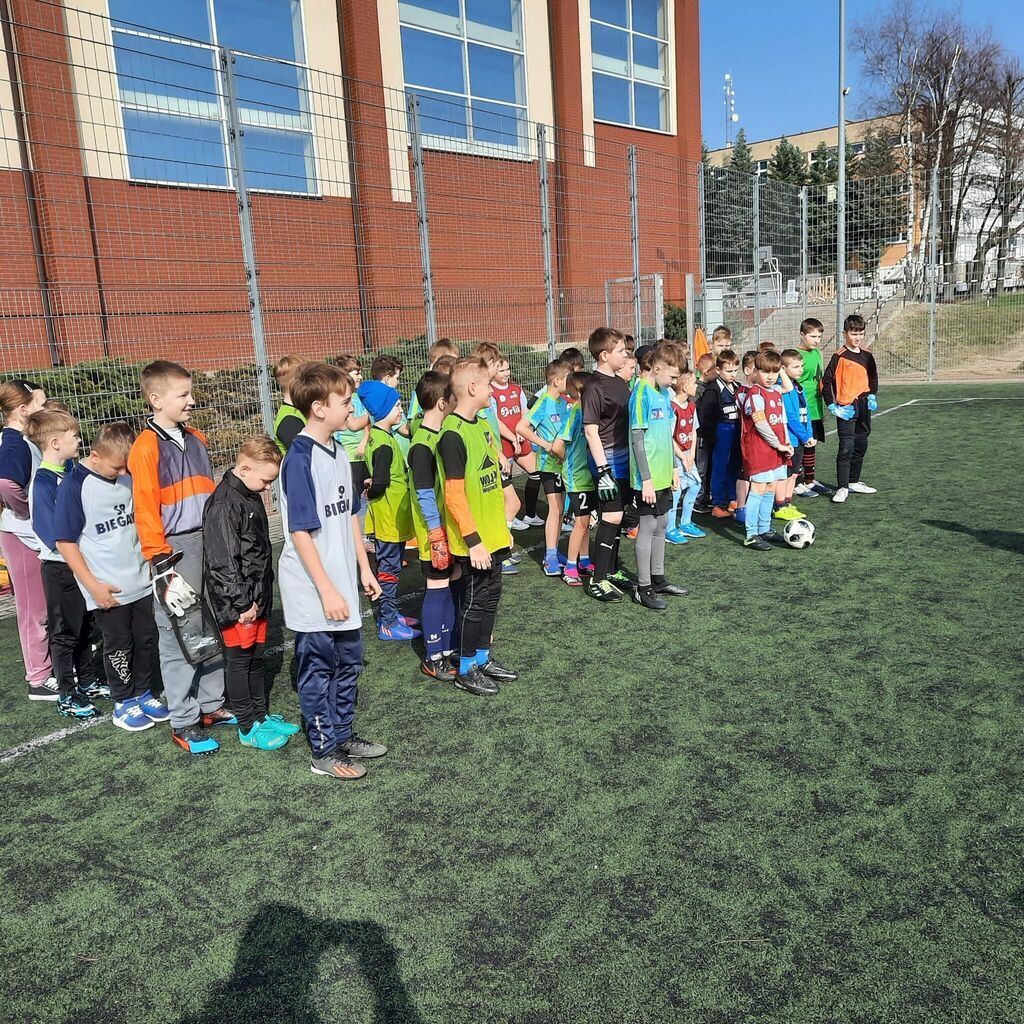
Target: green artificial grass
[(794, 797)]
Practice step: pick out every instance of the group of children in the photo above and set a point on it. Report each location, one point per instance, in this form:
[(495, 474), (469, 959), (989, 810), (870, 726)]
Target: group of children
[(176, 569)]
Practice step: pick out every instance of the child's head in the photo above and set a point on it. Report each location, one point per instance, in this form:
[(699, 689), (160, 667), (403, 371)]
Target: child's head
[(792, 363), (628, 369), (351, 365), (470, 384), (706, 366), (442, 347), (728, 365), (854, 328), (747, 362), (556, 375), (167, 387), (56, 405), (110, 448), (811, 331), (55, 434), (721, 339), (766, 346), (388, 369), (576, 383), (444, 364), (258, 462), (686, 385), (431, 391), (323, 394), (19, 398), (382, 402), (663, 363), (766, 367), (607, 349), (502, 373), (574, 357), (490, 354), (284, 372), (630, 343)]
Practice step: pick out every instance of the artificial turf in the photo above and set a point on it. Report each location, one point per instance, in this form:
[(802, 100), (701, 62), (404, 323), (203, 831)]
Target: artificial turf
[(793, 797)]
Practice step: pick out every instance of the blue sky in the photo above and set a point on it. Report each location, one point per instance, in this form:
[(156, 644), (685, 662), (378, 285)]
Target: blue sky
[(784, 61)]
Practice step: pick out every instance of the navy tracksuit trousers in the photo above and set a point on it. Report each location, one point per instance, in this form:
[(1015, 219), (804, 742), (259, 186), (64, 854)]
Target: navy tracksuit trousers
[(328, 666)]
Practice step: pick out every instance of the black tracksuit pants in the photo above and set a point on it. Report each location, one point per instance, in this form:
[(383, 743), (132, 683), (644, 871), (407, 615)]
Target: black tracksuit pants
[(70, 624)]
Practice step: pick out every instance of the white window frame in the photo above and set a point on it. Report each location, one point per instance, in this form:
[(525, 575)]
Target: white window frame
[(524, 149), (632, 78)]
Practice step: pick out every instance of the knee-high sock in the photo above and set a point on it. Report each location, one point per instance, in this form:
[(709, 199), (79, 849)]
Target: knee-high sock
[(447, 621), (607, 541), (644, 549), (673, 513), (658, 546), (753, 510), (531, 494), (433, 620), (810, 456), (764, 519)]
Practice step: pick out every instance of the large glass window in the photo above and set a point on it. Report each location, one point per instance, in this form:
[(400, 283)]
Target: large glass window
[(464, 60), (629, 42), (173, 104)]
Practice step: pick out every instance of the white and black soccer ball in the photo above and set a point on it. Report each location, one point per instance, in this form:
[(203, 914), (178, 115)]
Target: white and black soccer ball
[(799, 533)]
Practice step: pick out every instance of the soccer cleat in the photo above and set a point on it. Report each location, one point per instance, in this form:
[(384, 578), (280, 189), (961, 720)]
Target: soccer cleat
[(356, 746), (771, 536), (518, 525), (675, 536), (474, 681), (336, 767), (805, 491), (533, 520), (721, 513), (571, 578), (692, 531), (47, 689), (494, 670), (667, 589), (153, 708), (586, 567), (757, 544), (76, 705), (622, 580), (702, 507), (439, 669), (604, 591), (130, 717), (567, 526), (94, 689), (787, 512), (195, 741), (276, 723), (222, 716), (823, 489), (840, 496), (509, 568), (399, 631), (858, 488), (262, 738), (409, 621), (649, 599), (515, 556), (551, 566)]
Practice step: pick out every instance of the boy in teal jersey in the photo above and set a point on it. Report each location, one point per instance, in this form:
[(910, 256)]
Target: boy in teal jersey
[(356, 433), (288, 421), (579, 484), (542, 426), (652, 470)]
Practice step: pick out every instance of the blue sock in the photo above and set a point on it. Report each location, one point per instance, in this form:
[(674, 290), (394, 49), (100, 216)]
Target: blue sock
[(465, 664), (433, 621), (764, 520), (551, 553), (483, 655), (752, 508), (447, 620), (571, 567), (585, 562)]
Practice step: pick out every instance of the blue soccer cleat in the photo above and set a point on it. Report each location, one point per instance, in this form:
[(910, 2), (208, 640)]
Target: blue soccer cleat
[(691, 530), (262, 738), (398, 631), (675, 536), (509, 568), (192, 739), (277, 724)]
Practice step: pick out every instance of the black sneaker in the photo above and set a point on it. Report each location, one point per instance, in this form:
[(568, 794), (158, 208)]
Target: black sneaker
[(474, 681), (440, 669), (356, 746), (76, 705), (667, 589), (495, 671), (771, 536), (622, 580), (335, 767), (703, 507), (823, 489), (46, 690), (757, 544), (604, 591), (93, 689), (649, 599)]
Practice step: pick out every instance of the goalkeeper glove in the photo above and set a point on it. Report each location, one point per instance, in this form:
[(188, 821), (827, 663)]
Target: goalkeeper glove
[(172, 591), (440, 556), (607, 488), (872, 403), (842, 412)]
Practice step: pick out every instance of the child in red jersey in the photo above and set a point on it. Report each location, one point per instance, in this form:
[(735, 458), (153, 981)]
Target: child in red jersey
[(765, 448), (510, 402)]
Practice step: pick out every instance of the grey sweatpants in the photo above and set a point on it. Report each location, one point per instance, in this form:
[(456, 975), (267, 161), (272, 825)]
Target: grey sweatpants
[(188, 690)]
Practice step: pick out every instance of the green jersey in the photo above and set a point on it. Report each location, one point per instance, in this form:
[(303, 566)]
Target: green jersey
[(650, 410), (350, 440), (392, 510), (576, 473), (547, 417), (810, 381), (287, 423), (468, 451), (424, 473)]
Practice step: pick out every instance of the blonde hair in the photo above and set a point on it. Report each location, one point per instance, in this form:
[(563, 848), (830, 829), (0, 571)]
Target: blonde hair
[(47, 424), (114, 439), (260, 448), (284, 371)]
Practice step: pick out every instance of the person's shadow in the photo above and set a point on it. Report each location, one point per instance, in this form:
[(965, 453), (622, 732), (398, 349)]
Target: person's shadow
[(277, 964), (1002, 540)]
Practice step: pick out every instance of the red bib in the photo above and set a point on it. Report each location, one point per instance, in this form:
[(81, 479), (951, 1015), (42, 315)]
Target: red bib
[(758, 455)]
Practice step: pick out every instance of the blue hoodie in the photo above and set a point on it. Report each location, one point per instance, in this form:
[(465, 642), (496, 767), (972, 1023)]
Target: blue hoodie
[(797, 420)]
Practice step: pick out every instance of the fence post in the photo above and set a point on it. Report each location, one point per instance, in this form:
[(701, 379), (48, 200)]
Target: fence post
[(634, 233), (429, 308), (803, 252), (702, 230), (933, 260), (756, 205), (236, 133), (545, 237), (690, 318), (659, 307)]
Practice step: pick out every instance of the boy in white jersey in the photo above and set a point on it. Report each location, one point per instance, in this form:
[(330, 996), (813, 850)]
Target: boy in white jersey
[(323, 548), (95, 534)]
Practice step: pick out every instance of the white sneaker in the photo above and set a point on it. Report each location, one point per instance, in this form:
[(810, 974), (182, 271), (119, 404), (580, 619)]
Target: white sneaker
[(567, 527), (859, 488), (518, 525), (533, 520), (805, 491), (841, 495)]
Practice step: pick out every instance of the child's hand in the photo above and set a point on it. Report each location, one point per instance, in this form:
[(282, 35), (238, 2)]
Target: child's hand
[(249, 615), (558, 448), (810, 442), (786, 449), (675, 479), (479, 557), (506, 466), (103, 594), (440, 556), (335, 606), (648, 493), (371, 586)]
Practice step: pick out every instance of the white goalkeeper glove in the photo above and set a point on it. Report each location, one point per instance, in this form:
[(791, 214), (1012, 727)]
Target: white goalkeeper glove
[(172, 591), (607, 488)]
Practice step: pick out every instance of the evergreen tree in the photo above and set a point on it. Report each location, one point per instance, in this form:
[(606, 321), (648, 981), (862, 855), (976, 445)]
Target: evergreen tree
[(787, 163), (875, 208), (740, 159)]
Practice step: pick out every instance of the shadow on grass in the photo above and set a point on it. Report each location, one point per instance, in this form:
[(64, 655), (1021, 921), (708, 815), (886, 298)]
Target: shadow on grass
[(1001, 540), (277, 964)]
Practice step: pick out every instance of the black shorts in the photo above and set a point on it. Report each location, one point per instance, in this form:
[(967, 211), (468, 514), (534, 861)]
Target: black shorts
[(796, 463), (430, 573), (359, 477), (582, 503), (506, 481), (662, 503), (552, 483), (623, 497), (818, 430)]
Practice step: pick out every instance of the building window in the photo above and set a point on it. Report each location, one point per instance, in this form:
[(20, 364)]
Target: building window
[(762, 168), (629, 42), (465, 62), (173, 105)]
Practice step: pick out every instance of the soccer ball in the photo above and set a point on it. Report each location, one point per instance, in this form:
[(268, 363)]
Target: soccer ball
[(799, 533)]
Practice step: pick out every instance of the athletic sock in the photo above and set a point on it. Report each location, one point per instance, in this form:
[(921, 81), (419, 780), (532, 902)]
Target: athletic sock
[(752, 509), (585, 562), (483, 655), (551, 553), (433, 614), (764, 520), (607, 539), (530, 495), (810, 455), (465, 664), (571, 567)]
